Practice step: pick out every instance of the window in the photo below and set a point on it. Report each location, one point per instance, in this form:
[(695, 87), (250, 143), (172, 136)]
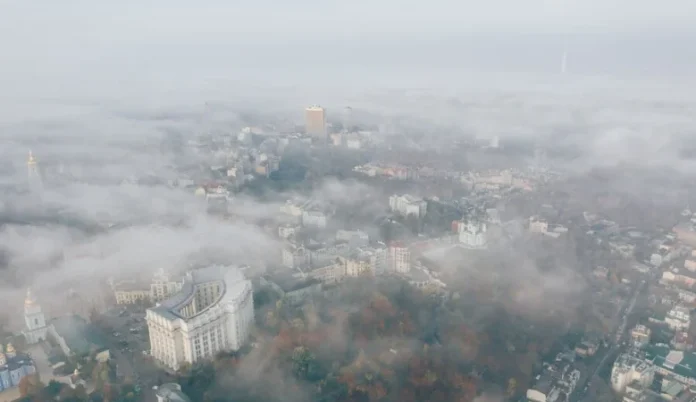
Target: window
[(36, 321)]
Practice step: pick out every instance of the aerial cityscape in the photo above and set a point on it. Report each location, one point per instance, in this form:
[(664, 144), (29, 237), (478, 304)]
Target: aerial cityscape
[(347, 202), (340, 259)]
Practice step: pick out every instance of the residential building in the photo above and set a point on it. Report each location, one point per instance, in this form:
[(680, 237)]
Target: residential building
[(629, 368), (162, 287), (681, 341), (538, 225), (324, 254), (678, 318), (640, 336), (355, 238), (357, 265), (287, 231), (327, 273), (315, 219), (294, 256), (130, 292), (406, 205), (213, 311), (679, 276), (555, 384), (398, 258), (376, 257)]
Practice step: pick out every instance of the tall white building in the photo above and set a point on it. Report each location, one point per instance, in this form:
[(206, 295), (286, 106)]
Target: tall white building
[(407, 205), (35, 328), (398, 258), (627, 369), (213, 311)]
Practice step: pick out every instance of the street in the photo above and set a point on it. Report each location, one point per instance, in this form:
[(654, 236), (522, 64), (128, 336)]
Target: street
[(589, 388)]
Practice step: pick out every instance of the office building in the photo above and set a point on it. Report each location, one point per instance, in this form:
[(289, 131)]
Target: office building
[(213, 311), (315, 122), (628, 369)]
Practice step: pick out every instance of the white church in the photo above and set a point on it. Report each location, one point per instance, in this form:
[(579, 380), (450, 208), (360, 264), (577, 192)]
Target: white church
[(472, 234), (35, 328)]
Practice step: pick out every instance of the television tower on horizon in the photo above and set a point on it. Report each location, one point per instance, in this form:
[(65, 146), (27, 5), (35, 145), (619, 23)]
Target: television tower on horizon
[(33, 175)]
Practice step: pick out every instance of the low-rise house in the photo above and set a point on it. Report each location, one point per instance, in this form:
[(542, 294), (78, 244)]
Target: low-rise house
[(678, 318), (640, 336)]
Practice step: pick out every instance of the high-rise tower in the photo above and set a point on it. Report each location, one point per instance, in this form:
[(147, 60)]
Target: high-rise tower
[(315, 122)]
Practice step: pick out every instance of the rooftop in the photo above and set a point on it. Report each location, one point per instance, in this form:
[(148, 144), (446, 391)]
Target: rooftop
[(171, 392), (681, 363), (287, 282), (232, 279)]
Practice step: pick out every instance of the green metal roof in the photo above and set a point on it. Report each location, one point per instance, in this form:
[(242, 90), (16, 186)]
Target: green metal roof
[(686, 367)]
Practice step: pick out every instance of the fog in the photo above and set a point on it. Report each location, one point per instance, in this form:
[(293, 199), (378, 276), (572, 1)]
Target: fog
[(119, 102)]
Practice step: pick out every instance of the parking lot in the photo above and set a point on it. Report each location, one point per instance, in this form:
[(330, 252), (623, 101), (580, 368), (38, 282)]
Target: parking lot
[(129, 344)]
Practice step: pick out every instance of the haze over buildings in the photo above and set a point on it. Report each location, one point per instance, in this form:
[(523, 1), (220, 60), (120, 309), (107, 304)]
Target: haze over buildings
[(478, 225)]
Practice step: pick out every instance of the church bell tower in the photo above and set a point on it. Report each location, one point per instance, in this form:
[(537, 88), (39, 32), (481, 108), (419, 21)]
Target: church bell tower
[(34, 320)]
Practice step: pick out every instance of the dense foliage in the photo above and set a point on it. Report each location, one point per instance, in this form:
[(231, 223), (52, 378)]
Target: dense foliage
[(367, 342)]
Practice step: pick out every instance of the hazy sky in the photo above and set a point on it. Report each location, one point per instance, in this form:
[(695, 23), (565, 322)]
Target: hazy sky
[(176, 21), (100, 47)]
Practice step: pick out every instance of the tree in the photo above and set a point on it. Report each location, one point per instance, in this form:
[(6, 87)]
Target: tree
[(53, 388), (101, 375), (30, 385), (93, 315), (301, 360), (184, 369)]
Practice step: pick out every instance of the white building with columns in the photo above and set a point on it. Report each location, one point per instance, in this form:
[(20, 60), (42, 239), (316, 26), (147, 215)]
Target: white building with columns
[(213, 311)]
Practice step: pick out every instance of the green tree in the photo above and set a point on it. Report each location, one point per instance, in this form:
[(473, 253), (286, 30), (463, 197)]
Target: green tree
[(301, 360), (53, 388), (30, 385)]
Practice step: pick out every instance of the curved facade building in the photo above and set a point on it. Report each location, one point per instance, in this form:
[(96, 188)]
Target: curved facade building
[(214, 311)]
